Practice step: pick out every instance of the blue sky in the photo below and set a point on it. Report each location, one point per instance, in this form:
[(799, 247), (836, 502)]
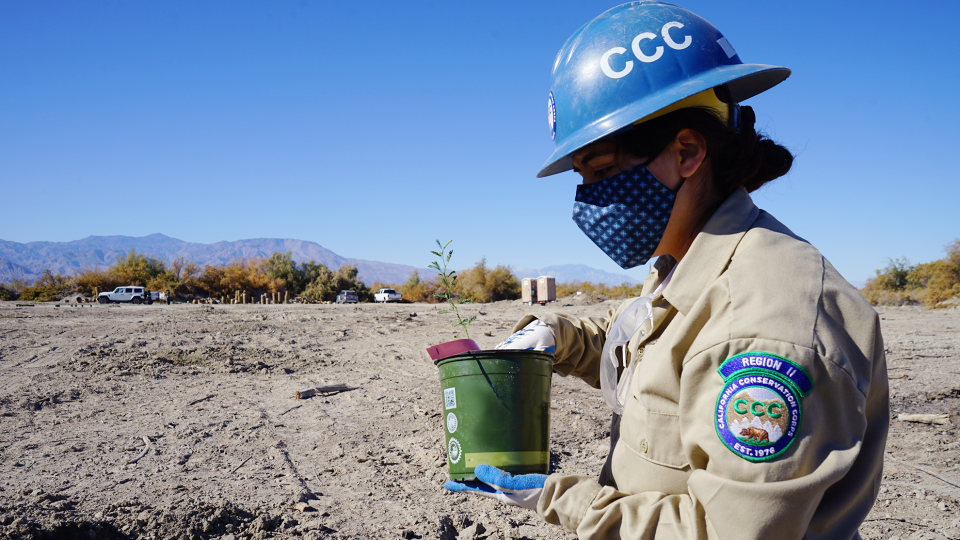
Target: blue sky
[(374, 128)]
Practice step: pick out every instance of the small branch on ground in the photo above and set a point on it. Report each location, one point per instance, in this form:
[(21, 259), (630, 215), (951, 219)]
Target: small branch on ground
[(237, 468), (194, 402), (921, 469), (333, 388), (143, 453), (939, 419)]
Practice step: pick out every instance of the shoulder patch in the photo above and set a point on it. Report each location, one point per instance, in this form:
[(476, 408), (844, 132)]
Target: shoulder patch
[(758, 411)]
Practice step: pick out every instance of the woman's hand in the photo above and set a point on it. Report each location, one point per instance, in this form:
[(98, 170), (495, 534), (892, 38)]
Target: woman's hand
[(522, 490), (536, 336)]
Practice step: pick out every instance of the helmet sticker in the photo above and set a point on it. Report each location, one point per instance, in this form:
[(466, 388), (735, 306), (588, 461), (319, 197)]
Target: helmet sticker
[(552, 116), (758, 411), (653, 54), (665, 32), (727, 47)]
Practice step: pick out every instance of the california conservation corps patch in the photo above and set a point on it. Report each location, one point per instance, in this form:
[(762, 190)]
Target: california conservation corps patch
[(758, 411)]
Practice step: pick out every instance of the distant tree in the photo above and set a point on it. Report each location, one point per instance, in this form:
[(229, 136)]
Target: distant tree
[(930, 283), (295, 277), (136, 268), (481, 284), (90, 280), (321, 288), (282, 266), (346, 279), (47, 287)]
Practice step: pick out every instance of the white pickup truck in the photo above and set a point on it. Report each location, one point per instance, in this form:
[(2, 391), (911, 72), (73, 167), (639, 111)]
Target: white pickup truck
[(387, 295), (131, 293)]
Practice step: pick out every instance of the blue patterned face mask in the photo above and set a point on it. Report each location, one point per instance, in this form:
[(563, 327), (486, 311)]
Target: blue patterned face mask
[(625, 215)]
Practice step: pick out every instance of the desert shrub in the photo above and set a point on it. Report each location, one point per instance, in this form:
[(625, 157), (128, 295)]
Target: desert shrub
[(47, 287), (418, 290), (894, 276), (320, 289), (883, 297), (622, 291), (939, 281), (244, 275), (282, 266), (164, 282), (136, 269), (295, 277), (6, 294), (345, 278), (929, 283), (89, 281), (377, 285), (327, 284), (481, 284), (17, 285)]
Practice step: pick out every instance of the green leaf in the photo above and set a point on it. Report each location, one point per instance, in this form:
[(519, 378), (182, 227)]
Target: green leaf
[(444, 311)]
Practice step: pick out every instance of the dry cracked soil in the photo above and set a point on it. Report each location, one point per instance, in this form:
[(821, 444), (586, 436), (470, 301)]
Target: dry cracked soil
[(208, 393)]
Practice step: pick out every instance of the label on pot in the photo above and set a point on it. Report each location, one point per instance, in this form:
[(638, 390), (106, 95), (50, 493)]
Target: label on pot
[(449, 398), (451, 422), (453, 451)]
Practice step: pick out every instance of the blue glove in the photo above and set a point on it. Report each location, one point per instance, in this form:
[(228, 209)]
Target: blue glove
[(535, 336), (523, 490)]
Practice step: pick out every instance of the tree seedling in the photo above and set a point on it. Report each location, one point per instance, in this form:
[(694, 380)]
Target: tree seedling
[(448, 278)]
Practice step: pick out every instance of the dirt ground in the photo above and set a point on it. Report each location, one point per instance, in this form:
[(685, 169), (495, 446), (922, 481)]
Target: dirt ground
[(233, 455)]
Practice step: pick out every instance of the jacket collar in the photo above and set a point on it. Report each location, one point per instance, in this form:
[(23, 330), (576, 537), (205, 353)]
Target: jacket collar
[(711, 250)]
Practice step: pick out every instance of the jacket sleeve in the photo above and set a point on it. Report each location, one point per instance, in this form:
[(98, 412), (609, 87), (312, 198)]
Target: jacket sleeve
[(728, 496), (579, 342)]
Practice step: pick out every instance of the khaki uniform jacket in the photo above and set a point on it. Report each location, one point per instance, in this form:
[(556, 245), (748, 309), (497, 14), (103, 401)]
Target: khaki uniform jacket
[(747, 284)]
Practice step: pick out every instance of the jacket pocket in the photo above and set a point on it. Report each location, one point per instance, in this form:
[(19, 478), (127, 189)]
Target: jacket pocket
[(653, 436)]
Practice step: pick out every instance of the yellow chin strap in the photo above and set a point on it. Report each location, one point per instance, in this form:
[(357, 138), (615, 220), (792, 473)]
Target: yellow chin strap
[(707, 98)]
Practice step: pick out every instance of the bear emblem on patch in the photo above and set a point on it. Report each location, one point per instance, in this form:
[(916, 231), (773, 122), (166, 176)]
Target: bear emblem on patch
[(758, 411)]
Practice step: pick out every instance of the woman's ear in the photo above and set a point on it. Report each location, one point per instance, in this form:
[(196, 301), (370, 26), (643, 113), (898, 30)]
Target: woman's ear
[(691, 150)]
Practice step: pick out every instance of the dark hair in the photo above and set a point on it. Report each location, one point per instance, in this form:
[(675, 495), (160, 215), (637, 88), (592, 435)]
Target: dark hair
[(746, 159)]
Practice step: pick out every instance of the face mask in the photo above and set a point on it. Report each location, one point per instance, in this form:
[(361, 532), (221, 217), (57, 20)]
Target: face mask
[(625, 215)]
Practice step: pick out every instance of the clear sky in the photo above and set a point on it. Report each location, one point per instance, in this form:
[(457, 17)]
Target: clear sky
[(374, 128)]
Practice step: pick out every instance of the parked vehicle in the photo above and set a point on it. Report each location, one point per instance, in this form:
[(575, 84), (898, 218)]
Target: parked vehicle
[(130, 293), (387, 295), (347, 297)]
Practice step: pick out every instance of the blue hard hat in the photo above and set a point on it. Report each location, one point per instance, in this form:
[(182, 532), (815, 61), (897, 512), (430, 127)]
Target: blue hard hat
[(637, 59)]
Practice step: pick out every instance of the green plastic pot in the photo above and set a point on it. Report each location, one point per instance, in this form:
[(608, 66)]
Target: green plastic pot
[(496, 411)]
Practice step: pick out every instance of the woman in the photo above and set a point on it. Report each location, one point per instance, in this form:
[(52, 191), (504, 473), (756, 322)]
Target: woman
[(748, 384)]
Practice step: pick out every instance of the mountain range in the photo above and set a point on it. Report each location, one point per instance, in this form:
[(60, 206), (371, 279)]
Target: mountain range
[(27, 261)]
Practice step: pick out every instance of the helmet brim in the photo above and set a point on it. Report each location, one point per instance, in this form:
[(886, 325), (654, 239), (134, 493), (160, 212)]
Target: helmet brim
[(742, 81)]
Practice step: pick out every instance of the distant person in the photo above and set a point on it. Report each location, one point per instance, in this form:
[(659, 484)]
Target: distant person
[(748, 384), (169, 293)]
